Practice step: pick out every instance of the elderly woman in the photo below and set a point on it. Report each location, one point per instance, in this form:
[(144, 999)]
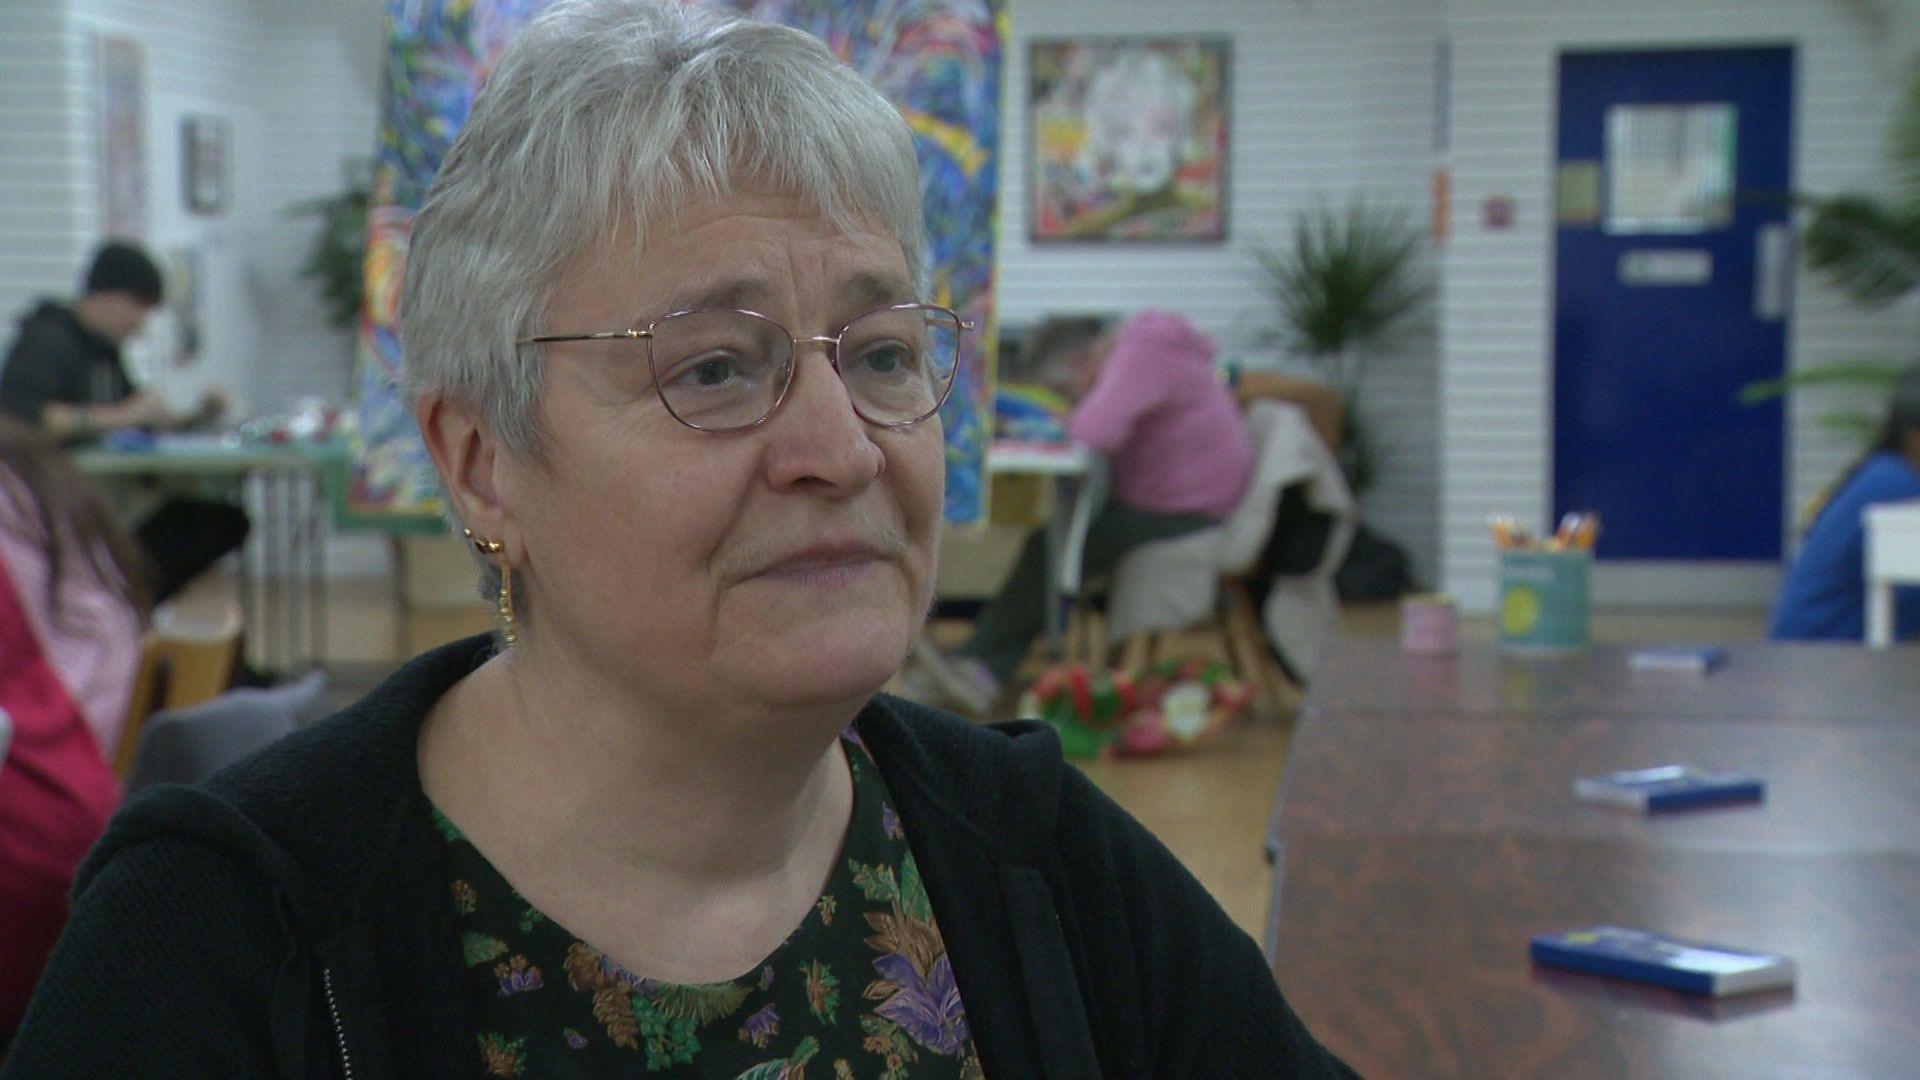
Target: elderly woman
[(672, 364)]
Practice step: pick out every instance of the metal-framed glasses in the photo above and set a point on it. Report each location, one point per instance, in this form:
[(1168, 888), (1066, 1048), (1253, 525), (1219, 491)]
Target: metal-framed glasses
[(724, 369)]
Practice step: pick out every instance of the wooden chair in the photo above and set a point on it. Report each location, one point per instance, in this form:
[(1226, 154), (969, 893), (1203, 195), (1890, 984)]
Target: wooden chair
[(188, 658), (1197, 582), (1232, 634)]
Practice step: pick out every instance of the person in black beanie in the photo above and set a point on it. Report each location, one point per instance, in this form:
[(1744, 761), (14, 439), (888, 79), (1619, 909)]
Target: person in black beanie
[(64, 374)]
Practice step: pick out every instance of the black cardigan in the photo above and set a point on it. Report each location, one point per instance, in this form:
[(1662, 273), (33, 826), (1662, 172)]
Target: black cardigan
[(292, 916)]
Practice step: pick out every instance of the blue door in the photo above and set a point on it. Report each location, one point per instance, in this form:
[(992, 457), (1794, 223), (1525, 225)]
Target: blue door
[(1673, 266)]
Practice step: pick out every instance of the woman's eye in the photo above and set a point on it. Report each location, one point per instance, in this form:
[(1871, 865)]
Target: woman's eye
[(707, 372), (891, 358)]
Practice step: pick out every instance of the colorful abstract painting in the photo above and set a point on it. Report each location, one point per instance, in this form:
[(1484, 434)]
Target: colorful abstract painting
[(1129, 139), (938, 60)]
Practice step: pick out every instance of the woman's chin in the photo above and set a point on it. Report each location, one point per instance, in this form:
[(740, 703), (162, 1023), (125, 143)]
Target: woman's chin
[(812, 664)]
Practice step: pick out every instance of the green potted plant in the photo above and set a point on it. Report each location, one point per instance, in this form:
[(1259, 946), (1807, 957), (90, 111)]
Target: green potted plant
[(1345, 280), (337, 260), (1868, 247)]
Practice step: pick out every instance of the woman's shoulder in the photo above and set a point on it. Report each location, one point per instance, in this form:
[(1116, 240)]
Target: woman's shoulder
[(952, 752), (1001, 781), (1887, 476), (1008, 783), (313, 811)]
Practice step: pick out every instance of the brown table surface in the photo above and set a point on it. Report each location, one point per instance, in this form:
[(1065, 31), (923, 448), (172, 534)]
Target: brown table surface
[(1824, 683), (1421, 848), (1828, 789), (1407, 955)]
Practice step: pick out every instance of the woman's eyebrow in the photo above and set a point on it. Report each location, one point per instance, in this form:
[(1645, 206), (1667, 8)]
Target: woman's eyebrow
[(869, 290), (735, 293)]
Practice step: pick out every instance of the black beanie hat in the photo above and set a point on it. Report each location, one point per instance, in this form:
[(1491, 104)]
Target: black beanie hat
[(121, 267)]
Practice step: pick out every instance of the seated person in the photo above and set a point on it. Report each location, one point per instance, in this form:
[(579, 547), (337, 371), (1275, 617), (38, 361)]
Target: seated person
[(1825, 596), (71, 616), (1180, 458), (64, 374)]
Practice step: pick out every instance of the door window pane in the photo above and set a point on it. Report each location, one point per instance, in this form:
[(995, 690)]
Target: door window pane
[(1670, 168)]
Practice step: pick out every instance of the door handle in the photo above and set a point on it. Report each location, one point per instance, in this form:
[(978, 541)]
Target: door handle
[(1772, 270)]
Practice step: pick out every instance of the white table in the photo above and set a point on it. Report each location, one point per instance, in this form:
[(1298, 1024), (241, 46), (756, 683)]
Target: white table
[(282, 567), (1893, 558), (1080, 486)]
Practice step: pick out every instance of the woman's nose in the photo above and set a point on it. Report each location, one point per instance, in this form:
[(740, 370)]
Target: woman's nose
[(817, 439)]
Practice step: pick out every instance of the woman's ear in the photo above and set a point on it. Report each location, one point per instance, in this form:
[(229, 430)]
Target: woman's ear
[(468, 456)]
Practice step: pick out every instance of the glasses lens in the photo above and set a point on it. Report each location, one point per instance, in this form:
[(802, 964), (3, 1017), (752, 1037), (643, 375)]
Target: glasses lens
[(720, 369), (899, 363)]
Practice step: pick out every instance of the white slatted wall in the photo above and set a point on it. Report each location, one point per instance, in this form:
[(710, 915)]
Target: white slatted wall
[(1327, 97), (1496, 344), (321, 108), (43, 238)]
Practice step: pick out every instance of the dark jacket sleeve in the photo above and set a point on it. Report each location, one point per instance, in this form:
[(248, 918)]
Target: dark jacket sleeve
[(1211, 1005), (165, 969), (42, 368)]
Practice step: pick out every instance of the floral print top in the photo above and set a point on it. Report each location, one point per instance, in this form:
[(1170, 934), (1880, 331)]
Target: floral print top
[(862, 988)]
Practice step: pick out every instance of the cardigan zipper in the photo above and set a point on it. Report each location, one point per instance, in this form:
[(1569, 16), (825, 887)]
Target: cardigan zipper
[(339, 1029)]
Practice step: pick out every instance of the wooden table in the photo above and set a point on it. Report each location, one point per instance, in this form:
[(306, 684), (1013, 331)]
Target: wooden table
[(1829, 682), (1422, 843)]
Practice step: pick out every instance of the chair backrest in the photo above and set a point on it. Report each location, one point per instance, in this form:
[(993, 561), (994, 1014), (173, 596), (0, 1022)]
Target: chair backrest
[(1287, 450), (1326, 408), (185, 746), (188, 658)]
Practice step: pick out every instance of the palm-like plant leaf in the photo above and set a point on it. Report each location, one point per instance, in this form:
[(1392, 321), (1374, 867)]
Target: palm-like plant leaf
[(1869, 374), (1871, 251)]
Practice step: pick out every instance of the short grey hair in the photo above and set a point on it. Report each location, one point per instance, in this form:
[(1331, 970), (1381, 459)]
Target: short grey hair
[(607, 118), (611, 115)]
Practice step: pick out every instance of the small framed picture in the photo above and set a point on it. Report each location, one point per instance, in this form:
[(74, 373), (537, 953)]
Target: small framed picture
[(206, 154)]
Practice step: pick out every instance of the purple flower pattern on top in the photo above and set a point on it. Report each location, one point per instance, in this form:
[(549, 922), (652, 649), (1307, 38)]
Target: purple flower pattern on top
[(517, 976), (928, 1009), (805, 1004), (760, 1028)]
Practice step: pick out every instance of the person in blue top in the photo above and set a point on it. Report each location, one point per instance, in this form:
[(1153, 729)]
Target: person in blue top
[(1825, 596)]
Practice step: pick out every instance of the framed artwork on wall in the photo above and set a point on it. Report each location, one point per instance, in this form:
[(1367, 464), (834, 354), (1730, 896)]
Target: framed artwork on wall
[(206, 154), (121, 108), (1128, 139)]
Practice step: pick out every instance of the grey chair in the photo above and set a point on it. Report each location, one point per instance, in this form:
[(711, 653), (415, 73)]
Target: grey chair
[(185, 746)]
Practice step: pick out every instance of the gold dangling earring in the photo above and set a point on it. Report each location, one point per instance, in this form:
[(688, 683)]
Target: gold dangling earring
[(495, 547)]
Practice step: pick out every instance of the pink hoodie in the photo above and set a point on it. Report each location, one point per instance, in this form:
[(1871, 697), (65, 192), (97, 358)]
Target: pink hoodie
[(1170, 427)]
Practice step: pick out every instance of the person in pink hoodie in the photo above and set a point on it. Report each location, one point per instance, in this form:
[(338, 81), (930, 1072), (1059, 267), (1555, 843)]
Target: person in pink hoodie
[(72, 611), (1179, 460)]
